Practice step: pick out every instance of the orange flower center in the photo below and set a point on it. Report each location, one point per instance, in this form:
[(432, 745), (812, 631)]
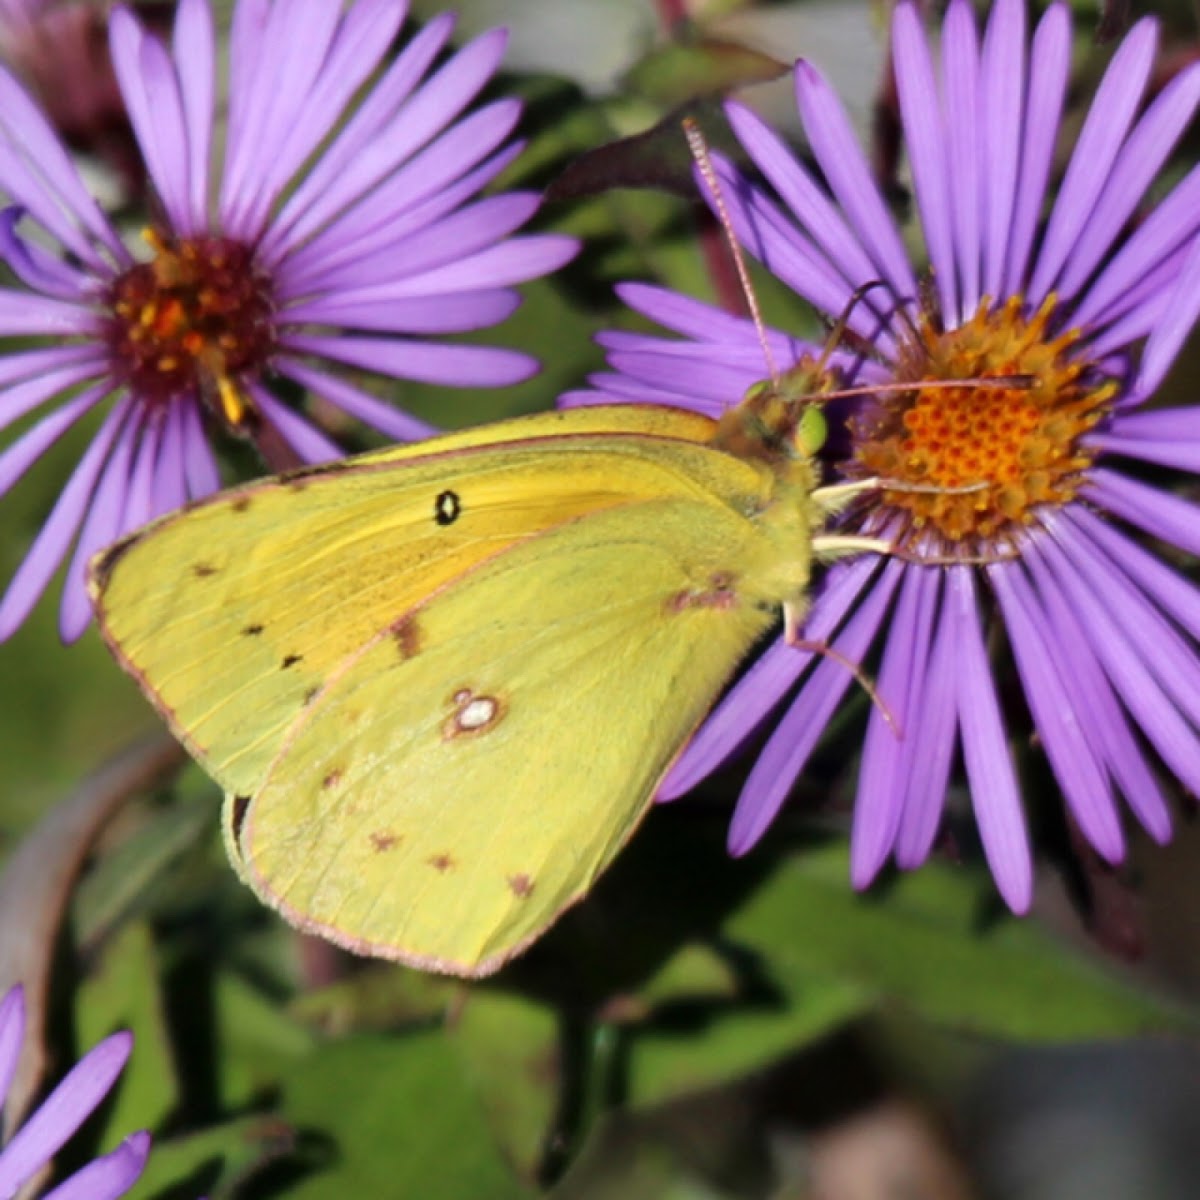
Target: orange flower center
[(196, 316), (1014, 447)]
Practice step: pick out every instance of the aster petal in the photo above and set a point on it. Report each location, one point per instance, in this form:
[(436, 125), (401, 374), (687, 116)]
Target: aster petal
[(1002, 116), (272, 97), (773, 239), (193, 50), (1050, 61), (102, 523), (1167, 337), (964, 147), (34, 266), (12, 1034), (1107, 726), (694, 318), (616, 389), (1111, 113), (452, 239), (1168, 437), (431, 185), (431, 109), (929, 745), (795, 737), (50, 545), (881, 778), (21, 398), (303, 436), (1165, 231), (109, 1176), (837, 152), (63, 1111), (454, 312), (1134, 315), (23, 126), (21, 454), (246, 54), (21, 365), (926, 139), (1173, 592), (766, 682), (1155, 713), (1159, 513), (802, 195), (1129, 606), (200, 468), (1079, 771), (355, 52), (151, 92), (1139, 161), (170, 479), (994, 793), (278, 108), (428, 362), (712, 378), (363, 129), (27, 313), (394, 422)]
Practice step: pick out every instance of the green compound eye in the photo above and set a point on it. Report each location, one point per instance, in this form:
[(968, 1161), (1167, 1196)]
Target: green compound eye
[(811, 430)]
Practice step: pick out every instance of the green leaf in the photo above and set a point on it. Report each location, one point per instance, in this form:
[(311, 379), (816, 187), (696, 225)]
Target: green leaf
[(212, 1163), (401, 1119), (921, 942), (677, 72), (122, 993), (510, 1053)]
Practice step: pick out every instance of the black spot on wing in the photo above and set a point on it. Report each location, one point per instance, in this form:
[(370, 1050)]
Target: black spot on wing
[(252, 630), (447, 508), (290, 660)]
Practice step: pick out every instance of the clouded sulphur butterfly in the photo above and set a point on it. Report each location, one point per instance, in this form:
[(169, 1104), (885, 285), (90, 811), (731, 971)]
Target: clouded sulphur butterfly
[(440, 683)]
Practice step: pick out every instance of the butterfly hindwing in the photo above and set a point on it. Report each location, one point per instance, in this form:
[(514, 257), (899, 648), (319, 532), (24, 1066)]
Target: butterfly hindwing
[(468, 774)]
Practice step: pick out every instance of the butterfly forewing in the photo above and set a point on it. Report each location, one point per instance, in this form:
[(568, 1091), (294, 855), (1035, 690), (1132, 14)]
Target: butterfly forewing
[(232, 615)]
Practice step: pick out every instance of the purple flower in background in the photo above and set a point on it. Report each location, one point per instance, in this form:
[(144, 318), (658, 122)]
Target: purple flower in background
[(1103, 633), (341, 229), (33, 1146), (58, 48)]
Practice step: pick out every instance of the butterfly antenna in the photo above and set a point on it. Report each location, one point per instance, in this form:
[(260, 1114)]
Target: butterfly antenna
[(703, 160)]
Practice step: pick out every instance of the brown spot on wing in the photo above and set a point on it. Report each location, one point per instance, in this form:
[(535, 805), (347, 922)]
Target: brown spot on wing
[(290, 660), (719, 592), (252, 630), (442, 862), (203, 570), (332, 779), (520, 885), (382, 841), (407, 636), (311, 695), (240, 504)]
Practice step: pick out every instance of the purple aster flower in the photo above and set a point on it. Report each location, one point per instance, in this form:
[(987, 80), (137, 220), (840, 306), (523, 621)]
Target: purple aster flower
[(59, 49), (1103, 633), (342, 228), (32, 1147)]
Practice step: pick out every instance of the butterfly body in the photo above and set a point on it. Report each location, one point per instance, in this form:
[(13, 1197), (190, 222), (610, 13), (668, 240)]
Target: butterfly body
[(441, 683)]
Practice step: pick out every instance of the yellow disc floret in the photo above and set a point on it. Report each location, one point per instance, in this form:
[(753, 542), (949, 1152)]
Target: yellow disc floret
[(975, 461)]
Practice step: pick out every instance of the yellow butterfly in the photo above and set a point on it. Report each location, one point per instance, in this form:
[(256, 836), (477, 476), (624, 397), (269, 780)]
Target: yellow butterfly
[(440, 683)]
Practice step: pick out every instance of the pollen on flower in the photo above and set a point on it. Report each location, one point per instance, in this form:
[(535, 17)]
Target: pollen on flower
[(1015, 448), (198, 315)]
